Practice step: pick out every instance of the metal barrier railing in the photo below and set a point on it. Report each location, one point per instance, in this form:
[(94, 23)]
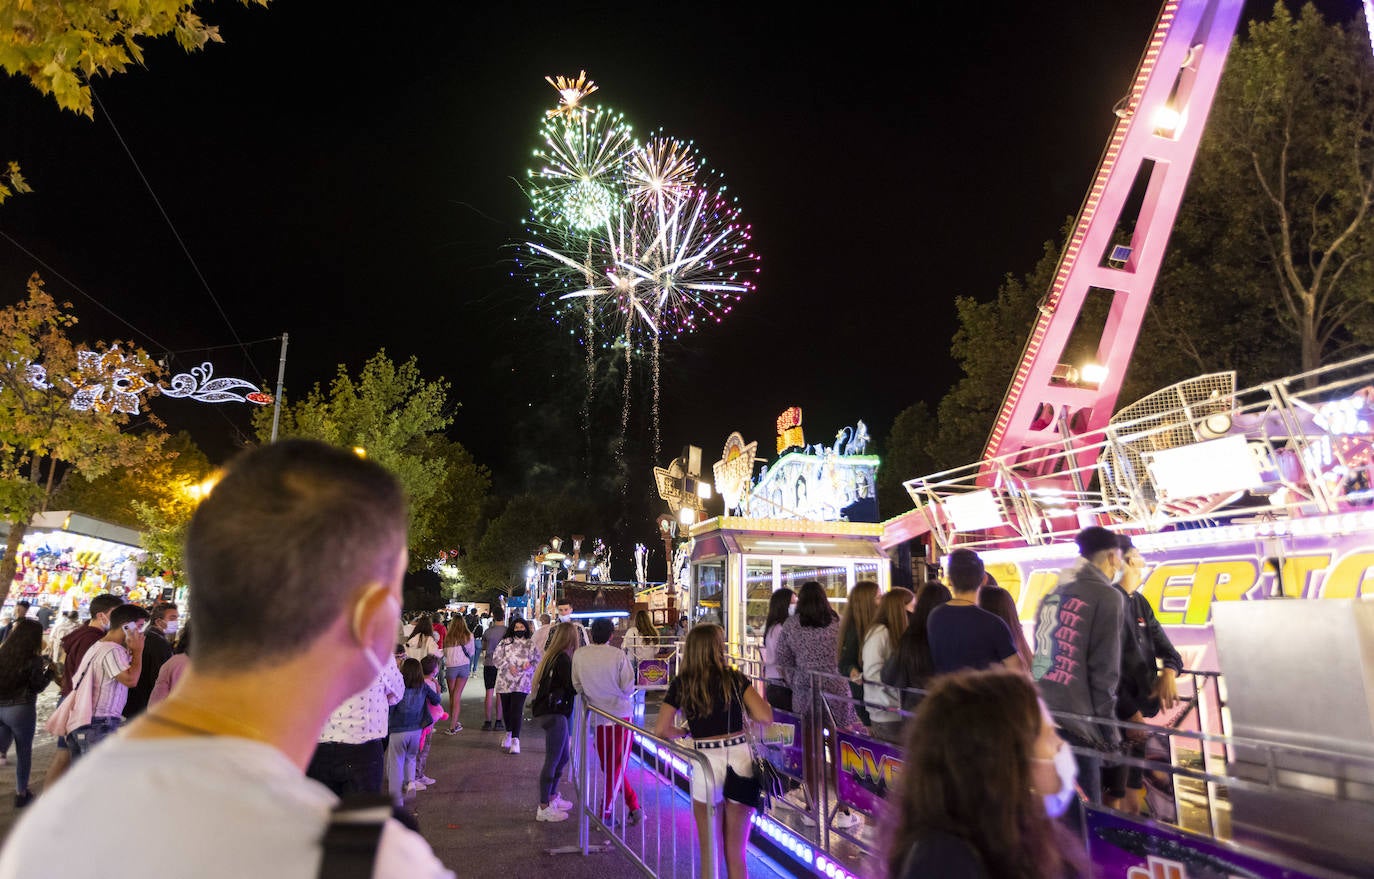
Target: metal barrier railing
[(1196, 767), (605, 748)]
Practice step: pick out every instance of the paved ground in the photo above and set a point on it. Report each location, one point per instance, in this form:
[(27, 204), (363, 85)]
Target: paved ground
[(480, 816)]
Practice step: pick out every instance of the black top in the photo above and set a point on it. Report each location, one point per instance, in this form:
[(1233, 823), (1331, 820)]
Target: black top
[(34, 681), (963, 636), (942, 854), (727, 715), (156, 651), (1144, 645), (560, 682)]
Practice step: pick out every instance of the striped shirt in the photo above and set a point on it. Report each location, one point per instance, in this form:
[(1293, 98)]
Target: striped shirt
[(108, 661)]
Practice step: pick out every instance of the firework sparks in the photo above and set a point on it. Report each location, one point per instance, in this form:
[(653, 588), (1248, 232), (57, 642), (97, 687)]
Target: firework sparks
[(570, 93)]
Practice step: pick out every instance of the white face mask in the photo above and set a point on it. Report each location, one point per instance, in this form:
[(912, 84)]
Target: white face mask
[(372, 661), (171, 627), (565, 617), (791, 610), (1066, 767)]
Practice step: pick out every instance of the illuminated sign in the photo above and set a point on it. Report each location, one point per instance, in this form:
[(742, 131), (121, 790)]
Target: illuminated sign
[(734, 470), (790, 434), (112, 382)]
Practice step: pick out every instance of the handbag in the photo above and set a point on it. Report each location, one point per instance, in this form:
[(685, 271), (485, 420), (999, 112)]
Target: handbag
[(549, 700), (767, 779)]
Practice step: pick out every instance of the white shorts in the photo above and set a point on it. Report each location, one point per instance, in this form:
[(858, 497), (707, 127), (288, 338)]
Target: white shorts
[(737, 757)]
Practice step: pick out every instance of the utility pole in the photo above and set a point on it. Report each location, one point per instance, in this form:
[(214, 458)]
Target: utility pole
[(276, 398)]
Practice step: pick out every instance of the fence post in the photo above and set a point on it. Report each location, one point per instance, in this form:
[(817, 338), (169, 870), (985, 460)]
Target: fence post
[(820, 797), (584, 832)]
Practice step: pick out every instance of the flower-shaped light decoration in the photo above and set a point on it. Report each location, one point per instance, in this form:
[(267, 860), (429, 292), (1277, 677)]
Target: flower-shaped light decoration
[(107, 383)]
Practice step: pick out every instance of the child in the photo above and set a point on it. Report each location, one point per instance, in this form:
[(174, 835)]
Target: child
[(429, 666), (407, 720)]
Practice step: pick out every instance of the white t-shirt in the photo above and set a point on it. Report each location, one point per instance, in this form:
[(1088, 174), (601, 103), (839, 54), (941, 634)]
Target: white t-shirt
[(226, 808)]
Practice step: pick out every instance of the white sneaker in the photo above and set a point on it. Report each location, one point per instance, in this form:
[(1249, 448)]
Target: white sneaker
[(414, 787), (427, 781), (549, 813), (846, 820), (505, 746), (514, 746), (560, 804)]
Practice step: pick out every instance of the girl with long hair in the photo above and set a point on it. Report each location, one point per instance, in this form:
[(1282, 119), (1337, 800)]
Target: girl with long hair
[(879, 644), (406, 722), (459, 649), (807, 644), (515, 658), (716, 701), (780, 607), (23, 675), (554, 682), (421, 641), (996, 600), (984, 777), (641, 641), (914, 666), (860, 613)]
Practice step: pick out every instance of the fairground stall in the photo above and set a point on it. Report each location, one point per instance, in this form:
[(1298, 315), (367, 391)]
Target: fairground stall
[(810, 515), (67, 558)]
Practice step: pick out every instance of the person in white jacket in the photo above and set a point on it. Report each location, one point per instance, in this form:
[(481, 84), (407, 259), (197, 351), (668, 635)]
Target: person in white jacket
[(605, 677), (879, 644)]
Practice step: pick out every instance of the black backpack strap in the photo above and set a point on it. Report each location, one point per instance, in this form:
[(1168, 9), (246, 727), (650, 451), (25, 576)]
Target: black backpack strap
[(353, 836)]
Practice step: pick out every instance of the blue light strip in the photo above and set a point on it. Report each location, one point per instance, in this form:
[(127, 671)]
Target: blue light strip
[(601, 615)]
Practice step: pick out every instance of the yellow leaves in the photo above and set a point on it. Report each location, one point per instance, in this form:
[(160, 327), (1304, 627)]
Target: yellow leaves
[(12, 182)]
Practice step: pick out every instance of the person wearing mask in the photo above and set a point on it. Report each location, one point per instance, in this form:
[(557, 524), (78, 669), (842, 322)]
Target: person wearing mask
[(74, 646), (1077, 664), (23, 675), (493, 635), (717, 701), (174, 668), (606, 680), (1144, 688), (279, 643), (157, 649), (998, 601), (94, 709), (808, 644), (516, 657), (565, 615), (985, 776), (781, 605), (554, 675), (879, 644), (963, 635), (860, 613)]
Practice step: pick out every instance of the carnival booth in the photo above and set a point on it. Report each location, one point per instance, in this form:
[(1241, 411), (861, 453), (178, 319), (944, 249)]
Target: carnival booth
[(810, 515), (66, 558)]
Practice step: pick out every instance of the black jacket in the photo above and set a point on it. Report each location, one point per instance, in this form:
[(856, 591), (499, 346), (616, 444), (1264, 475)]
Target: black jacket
[(1143, 645)]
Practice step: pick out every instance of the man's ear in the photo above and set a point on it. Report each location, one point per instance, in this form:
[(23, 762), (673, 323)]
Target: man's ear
[(368, 608)]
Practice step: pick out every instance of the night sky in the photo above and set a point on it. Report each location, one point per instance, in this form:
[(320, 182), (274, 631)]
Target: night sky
[(348, 173)]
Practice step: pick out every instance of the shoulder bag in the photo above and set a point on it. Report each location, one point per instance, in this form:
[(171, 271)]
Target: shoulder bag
[(547, 699), (767, 784)]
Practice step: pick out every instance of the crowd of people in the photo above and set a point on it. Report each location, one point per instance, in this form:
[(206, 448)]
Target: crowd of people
[(261, 727)]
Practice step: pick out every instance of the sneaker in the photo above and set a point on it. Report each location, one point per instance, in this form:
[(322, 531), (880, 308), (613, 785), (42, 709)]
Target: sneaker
[(505, 746), (22, 800), (514, 746), (457, 727), (414, 787), (560, 804), (636, 816), (499, 725), (426, 781), (549, 813), (807, 820), (846, 820), (486, 726)]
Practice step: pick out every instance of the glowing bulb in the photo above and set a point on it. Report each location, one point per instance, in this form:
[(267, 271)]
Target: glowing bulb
[(1093, 373), (1166, 119)]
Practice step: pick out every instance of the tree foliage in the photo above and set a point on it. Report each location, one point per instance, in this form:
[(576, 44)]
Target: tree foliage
[(41, 433), (12, 182), (396, 417), (59, 45), (527, 521), (905, 453)]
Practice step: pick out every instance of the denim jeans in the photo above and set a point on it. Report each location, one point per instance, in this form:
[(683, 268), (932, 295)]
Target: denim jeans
[(81, 740), (557, 750), (349, 769), (17, 723)]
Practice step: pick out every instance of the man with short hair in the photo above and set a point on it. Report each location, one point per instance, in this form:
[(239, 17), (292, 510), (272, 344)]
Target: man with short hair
[(565, 615), (1078, 635), (606, 680), (74, 645), (157, 649), (109, 669), (492, 636), (961, 634), (21, 610), (295, 563)]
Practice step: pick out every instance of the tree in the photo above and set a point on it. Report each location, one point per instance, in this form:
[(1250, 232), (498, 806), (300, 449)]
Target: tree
[(59, 45), (396, 417), (157, 499), (905, 454), (497, 564), (62, 411), (12, 182), (1286, 173)]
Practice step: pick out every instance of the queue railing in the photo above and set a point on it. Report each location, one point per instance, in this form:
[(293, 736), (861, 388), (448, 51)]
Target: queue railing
[(610, 753), (1189, 768)]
